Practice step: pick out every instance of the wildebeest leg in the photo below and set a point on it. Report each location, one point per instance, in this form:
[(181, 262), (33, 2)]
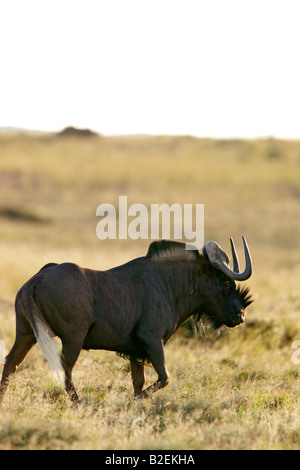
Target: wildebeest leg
[(155, 353), (138, 377), (70, 353), (23, 343)]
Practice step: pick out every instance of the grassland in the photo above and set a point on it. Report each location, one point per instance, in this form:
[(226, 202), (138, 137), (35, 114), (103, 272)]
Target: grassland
[(235, 390)]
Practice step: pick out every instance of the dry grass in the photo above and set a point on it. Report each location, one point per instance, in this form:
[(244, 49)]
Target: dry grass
[(237, 390)]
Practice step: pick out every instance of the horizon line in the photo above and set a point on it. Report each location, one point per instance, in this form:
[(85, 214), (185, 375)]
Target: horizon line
[(16, 130)]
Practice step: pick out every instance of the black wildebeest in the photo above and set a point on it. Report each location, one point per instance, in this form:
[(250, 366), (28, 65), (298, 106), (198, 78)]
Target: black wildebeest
[(132, 309)]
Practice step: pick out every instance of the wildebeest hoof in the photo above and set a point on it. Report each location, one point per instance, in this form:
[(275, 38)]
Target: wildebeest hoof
[(141, 395)]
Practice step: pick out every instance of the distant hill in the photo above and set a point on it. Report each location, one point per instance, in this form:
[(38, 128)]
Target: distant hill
[(71, 131)]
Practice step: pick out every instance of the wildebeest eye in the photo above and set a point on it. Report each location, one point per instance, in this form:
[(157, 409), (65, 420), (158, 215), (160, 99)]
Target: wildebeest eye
[(229, 284)]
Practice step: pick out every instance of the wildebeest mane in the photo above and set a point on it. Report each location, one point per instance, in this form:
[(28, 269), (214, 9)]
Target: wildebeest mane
[(200, 322), (164, 250), (245, 296)]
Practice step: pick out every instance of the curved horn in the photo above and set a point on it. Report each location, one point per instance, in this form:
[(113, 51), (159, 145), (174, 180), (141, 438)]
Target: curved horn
[(219, 259), (235, 260)]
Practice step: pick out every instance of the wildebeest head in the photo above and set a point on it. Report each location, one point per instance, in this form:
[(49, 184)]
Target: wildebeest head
[(225, 302)]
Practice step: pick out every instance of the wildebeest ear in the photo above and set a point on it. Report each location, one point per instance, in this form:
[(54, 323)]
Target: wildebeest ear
[(214, 253)]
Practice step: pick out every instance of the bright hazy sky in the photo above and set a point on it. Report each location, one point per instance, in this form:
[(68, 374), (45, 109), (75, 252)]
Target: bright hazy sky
[(218, 68)]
